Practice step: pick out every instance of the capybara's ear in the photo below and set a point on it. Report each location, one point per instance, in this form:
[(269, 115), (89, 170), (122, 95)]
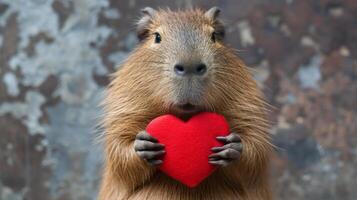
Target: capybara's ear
[(143, 23), (212, 14)]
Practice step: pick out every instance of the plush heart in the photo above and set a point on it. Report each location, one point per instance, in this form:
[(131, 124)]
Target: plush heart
[(188, 144)]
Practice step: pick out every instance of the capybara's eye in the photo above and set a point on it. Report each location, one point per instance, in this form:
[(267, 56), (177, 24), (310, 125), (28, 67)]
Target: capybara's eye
[(213, 37), (157, 37)]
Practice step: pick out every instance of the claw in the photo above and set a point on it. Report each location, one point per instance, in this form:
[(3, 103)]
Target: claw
[(148, 148), (231, 151), (143, 135), (222, 163), (226, 154), (233, 137), (236, 146)]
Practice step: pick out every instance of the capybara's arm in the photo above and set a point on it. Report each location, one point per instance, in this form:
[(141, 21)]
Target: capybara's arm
[(251, 169), (248, 119), (121, 159)]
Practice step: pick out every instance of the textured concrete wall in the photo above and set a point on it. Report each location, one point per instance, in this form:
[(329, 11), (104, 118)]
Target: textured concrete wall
[(55, 56)]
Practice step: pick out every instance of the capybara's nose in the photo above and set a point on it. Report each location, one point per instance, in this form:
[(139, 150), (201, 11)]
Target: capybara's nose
[(184, 70)]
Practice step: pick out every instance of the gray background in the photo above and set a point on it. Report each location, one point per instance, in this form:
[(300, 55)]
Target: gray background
[(55, 56)]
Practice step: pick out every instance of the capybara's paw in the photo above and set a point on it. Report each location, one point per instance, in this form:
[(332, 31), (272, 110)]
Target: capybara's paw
[(148, 148), (231, 151)]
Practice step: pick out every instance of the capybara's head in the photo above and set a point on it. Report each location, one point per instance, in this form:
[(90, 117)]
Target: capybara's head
[(182, 61)]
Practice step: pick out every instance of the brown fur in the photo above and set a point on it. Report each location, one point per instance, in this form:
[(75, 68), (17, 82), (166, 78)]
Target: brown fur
[(141, 91)]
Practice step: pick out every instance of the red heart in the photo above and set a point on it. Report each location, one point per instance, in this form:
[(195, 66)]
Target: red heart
[(188, 144)]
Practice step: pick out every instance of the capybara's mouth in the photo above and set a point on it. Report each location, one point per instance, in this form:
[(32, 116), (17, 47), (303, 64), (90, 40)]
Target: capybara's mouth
[(186, 110), (187, 107)]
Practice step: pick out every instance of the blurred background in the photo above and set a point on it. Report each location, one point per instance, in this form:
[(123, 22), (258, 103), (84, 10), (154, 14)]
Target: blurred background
[(55, 57)]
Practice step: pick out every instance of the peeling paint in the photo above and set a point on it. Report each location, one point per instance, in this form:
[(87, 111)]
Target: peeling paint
[(30, 18), (246, 36), (72, 133), (30, 111), (112, 13), (71, 58), (130, 41), (75, 89), (117, 57), (309, 42), (309, 75), (10, 81), (7, 193), (75, 55), (261, 73)]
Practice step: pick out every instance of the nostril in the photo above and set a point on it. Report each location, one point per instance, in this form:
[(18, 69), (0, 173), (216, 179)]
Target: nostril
[(179, 69), (201, 69)]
